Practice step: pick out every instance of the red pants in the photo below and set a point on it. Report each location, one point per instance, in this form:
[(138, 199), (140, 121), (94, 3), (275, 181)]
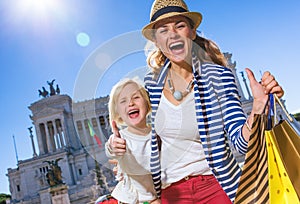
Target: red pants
[(195, 190)]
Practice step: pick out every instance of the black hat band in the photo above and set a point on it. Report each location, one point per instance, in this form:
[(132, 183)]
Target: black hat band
[(165, 10)]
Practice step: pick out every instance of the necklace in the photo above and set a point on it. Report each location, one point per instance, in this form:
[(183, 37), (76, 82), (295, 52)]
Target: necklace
[(178, 95)]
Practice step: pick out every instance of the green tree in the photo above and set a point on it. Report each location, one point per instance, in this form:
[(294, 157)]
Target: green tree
[(297, 116), (3, 198)]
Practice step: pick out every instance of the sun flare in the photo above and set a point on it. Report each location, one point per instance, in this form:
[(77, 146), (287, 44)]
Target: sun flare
[(37, 7), (36, 12)]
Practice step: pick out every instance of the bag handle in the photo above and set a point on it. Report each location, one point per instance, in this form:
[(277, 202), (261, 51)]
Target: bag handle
[(273, 99)]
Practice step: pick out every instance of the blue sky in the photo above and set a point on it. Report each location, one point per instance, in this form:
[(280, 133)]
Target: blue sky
[(39, 43)]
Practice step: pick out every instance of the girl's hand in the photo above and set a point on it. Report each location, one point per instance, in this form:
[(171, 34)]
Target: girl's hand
[(116, 143)]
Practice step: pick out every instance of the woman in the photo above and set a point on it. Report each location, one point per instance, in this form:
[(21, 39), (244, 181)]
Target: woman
[(195, 106)]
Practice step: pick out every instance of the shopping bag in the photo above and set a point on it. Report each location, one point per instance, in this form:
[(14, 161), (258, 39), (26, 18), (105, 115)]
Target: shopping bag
[(281, 189), (253, 185), (286, 145), (267, 175)]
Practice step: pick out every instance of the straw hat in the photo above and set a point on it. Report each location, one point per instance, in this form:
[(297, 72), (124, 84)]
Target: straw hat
[(162, 9)]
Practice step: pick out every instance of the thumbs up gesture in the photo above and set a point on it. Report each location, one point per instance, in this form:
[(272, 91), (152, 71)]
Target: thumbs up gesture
[(116, 143), (261, 90)]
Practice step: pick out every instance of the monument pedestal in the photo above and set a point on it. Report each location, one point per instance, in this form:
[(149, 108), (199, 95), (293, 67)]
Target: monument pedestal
[(59, 194), (45, 196)]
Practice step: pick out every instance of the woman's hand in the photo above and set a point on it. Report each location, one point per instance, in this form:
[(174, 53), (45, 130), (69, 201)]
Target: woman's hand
[(261, 90), (270, 84), (116, 143)]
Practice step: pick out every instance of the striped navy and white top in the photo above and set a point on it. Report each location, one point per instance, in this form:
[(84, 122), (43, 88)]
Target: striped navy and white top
[(219, 114)]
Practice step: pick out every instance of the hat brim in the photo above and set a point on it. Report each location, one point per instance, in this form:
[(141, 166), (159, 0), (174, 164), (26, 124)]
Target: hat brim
[(196, 17)]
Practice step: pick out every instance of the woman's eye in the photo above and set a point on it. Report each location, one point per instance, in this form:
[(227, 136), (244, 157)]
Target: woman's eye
[(181, 25), (163, 31)]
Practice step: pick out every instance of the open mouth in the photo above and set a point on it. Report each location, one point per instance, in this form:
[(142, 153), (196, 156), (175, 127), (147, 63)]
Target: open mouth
[(176, 46), (133, 114)]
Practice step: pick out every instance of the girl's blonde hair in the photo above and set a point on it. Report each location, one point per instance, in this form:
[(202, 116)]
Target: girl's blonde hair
[(114, 95)]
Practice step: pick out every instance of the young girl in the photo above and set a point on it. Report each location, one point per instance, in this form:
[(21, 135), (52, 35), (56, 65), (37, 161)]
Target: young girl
[(129, 106)]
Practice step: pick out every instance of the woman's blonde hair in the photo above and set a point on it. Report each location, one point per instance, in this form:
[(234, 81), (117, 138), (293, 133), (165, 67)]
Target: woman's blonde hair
[(114, 95)]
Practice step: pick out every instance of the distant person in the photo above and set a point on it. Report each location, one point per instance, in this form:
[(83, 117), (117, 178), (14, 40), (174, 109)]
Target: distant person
[(129, 106)]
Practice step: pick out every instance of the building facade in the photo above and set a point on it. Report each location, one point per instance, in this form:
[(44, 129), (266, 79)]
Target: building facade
[(63, 136)]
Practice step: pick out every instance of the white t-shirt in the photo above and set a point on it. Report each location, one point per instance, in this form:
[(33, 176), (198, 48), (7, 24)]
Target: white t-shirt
[(137, 184), (182, 153)]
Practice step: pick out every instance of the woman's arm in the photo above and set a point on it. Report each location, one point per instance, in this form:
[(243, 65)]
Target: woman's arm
[(260, 91), (236, 124)]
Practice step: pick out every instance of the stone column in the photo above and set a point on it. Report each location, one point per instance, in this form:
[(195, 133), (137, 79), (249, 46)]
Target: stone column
[(101, 135), (55, 136), (65, 134), (73, 170), (39, 139), (80, 133), (52, 135), (86, 135), (107, 125), (32, 142), (246, 85), (63, 142), (48, 139), (60, 135)]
